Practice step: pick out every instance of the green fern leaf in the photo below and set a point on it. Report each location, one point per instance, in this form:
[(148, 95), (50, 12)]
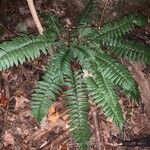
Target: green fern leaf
[(84, 17), (104, 96), (130, 49), (21, 49), (53, 24), (110, 69), (118, 75), (118, 28), (44, 94), (77, 107)]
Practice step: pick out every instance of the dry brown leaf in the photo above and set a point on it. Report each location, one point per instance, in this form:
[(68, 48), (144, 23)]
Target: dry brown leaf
[(3, 100), (63, 147), (20, 102), (53, 115), (8, 139)]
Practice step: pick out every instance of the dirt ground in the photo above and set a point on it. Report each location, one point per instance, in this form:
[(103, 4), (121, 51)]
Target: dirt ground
[(19, 130)]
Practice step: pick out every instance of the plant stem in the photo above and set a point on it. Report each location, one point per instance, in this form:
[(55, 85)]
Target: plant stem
[(35, 16)]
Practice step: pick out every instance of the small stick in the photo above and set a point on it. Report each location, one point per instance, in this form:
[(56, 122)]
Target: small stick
[(97, 134), (102, 16), (35, 16)]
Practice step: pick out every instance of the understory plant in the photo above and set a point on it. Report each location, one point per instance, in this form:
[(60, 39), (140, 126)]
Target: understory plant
[(84, 60)]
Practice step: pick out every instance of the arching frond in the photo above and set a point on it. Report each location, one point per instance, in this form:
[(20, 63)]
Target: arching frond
[(101, 91), (118, 75), (118, 28), (53, 24), (130, 49), (84, 18), (77, 107), (110, 68), (21, 49), (45, 92)]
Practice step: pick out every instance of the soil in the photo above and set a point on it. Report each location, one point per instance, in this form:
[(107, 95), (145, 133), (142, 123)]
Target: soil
[(19, 130)]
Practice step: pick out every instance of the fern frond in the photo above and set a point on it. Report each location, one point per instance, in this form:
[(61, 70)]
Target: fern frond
[(118, 75), (104, 96), (53, 24), (84, 53), (77, 107), (120, 27), (110, 69), (21, 49), (84, 17), (130, 49), (45, 92), (61, 59)]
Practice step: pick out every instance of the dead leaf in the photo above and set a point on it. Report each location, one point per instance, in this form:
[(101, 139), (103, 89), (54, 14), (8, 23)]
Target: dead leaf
[(3, 100), (20, 102), (8, 139), (53, 115), (63, 147)]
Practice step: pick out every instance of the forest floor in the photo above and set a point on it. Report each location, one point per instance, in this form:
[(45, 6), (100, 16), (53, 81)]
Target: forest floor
[(19, 130)]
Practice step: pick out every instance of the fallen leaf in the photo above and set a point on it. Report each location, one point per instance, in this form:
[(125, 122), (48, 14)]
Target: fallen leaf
[(3, 100), (20, 102), (63, 147), (53, 115), (8, 139)]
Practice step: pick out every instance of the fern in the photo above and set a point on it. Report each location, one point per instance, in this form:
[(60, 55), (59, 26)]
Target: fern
[(44, 93), (21, 49), (77, 106), (110, 68), (118, 28), (118, 74), (74, 52), (104, 96), (50, 86), (52, 24), (130, 50), (84, 18)]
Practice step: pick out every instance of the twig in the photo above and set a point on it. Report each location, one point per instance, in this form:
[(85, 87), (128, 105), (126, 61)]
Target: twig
[(57, 141), (102, 16), (43, 131), (35, 16), (97, 134)]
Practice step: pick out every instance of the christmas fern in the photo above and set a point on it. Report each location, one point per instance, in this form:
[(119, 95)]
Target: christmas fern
[(105, 97), (80, 59), (77, 106), (133, 50), (23, 49)]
